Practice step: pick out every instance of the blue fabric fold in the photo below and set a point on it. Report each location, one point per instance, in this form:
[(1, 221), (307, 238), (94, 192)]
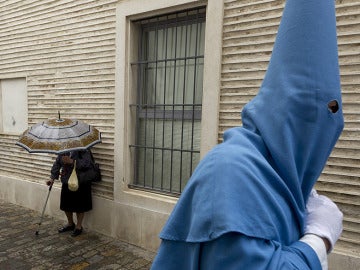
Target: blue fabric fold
[(257, 182)]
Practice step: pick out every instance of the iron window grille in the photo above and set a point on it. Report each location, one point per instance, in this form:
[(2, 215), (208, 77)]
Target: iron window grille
[(169, 100)]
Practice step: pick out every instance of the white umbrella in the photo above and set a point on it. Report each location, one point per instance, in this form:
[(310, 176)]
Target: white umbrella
[(58, 136)]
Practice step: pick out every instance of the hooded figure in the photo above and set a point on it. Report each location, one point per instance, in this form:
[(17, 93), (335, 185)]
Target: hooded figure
[(245, 204)]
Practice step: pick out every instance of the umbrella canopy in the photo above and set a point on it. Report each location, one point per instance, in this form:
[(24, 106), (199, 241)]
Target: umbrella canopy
[(58, 136)]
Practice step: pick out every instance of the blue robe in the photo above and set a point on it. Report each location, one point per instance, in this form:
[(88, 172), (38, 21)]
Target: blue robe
[(244, 206)]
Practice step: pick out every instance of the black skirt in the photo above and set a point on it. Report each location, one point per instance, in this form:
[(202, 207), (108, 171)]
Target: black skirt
[(76, 201)]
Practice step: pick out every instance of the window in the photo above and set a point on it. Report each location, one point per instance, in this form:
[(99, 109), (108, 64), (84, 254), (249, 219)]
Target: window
[(13, 106), (169, 74)]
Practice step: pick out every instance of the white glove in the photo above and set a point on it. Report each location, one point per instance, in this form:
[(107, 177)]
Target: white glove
[(323, 218)]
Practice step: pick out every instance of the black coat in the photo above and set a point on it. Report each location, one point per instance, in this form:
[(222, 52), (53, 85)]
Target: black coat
[(83, 162)]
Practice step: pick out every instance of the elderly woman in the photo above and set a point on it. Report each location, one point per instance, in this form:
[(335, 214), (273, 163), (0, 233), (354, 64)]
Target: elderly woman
[(79, 201)]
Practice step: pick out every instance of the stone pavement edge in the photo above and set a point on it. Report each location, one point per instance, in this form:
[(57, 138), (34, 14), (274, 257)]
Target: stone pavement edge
[(22, 249)]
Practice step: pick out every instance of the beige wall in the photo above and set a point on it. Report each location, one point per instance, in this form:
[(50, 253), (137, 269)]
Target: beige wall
[(66, 51)]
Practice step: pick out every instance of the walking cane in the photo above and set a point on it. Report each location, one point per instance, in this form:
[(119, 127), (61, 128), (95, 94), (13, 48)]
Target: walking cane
[(42, 214)]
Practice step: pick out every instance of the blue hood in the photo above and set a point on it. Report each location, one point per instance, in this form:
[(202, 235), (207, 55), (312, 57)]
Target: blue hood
[(258, 180)]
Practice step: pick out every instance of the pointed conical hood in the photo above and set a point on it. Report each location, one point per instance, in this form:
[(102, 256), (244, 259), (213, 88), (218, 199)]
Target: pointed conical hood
[(291, 110)]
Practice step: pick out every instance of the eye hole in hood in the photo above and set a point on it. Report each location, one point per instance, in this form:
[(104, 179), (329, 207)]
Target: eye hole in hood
[(333, 106)]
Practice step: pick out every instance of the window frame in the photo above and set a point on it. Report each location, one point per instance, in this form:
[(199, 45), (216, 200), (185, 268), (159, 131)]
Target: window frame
[(126, 52), (157, 111)]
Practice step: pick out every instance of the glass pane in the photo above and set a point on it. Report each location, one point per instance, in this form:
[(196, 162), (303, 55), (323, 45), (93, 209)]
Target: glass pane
[(170, 91), (167, 71), (164, 167)]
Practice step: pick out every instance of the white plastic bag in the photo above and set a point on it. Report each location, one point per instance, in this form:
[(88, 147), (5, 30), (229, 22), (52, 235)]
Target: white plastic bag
[(73, 182)]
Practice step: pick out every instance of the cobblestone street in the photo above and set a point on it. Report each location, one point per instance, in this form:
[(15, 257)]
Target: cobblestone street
[(22, 249)]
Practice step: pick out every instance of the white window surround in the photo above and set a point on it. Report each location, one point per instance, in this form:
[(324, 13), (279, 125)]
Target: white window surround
[(127, 11), (13, 105)]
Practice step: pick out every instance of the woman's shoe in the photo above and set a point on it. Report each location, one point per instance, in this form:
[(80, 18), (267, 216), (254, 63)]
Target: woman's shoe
[(76, 232), (66, 228)]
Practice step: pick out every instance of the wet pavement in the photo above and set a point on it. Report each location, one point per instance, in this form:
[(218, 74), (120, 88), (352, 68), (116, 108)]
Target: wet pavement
[(22, 249)]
